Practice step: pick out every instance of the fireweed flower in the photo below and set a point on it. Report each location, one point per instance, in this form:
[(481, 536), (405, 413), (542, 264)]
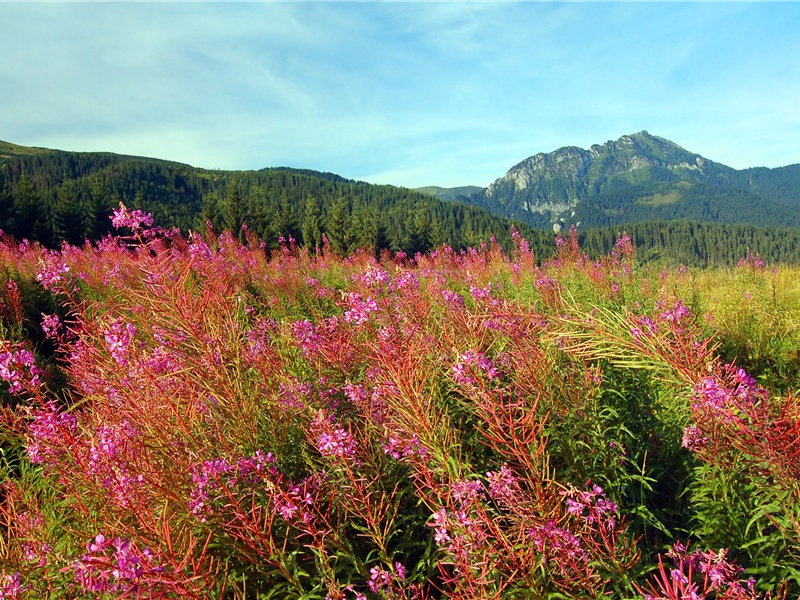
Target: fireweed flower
[(119, 337), (307, 337), (51, 273), (114, 565), (559, 547), (137, 219), (694, 439), (11, 585), (292, 395), (112, 458), (399, 449), (473, 365), (676, 314), (592, 507), (211, 476), (710, 570), (331, 440), (406, 280), (18, 368), (50, 432), (725, 397), (483, 294), (374, 278), (359, 309), (453, 299), (503, 485), (441, 519), (51, 325)]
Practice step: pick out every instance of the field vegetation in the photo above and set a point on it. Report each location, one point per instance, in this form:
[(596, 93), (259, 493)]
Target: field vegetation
[(195, 416)]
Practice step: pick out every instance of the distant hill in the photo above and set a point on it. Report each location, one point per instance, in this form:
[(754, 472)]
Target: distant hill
[(639, 177), (450, 193), (53, 196)]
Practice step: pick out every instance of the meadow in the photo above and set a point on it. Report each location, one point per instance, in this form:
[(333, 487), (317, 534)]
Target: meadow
[(196, 417)]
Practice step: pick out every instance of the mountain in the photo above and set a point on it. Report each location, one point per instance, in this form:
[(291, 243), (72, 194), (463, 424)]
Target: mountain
[(639, 177), (450, 193), (52, 196)]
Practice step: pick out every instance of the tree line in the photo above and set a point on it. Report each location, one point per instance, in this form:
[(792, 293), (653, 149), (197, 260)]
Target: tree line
[(54, 197)]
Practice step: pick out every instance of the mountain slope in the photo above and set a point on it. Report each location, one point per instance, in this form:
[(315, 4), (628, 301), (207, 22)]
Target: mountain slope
[(53, 195), (636, 178)]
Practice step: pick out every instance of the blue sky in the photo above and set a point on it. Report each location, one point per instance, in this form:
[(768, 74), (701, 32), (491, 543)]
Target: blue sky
[(403, 93)]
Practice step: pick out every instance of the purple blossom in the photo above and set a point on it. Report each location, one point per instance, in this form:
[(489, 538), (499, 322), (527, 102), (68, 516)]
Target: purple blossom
[(119, 337), (51, 273), (114, 565), (50, 432), (452, 298), (18, 368), (466, 492), (51, 325), (559, 546), (359, 309), (592, 507), (137, 219), (307, 337), (503, 485), (380, 580), (676, 314), (694, 439), (331, 440), (11, 585), (399, 449), (481, 294), (407, 280), (473, 364), (375, 277)]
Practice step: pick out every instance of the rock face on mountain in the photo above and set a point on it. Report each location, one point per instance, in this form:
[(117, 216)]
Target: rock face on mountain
[(639, 177)]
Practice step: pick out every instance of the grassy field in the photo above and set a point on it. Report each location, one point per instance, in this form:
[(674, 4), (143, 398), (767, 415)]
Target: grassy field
[(192, 418)]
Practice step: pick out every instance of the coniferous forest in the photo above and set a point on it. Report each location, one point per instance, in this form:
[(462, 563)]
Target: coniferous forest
[(52, 196)]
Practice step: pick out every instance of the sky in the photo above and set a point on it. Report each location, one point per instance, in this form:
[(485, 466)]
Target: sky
[(408, 94)]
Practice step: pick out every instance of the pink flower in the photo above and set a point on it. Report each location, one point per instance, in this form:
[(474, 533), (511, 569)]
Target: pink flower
[(135, 220)]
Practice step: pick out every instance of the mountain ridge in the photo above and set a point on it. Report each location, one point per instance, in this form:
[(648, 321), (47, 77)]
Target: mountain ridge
[(639, 177)]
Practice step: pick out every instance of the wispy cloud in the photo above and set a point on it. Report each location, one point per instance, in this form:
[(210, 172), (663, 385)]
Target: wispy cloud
[(430, 93)]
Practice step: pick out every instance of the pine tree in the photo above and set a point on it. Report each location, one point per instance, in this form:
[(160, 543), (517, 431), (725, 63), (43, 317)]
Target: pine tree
[(235, 211), (312, 233), (340, 227)]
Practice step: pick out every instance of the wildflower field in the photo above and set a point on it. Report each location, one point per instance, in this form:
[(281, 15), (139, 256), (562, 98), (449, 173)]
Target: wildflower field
[(190, 417)]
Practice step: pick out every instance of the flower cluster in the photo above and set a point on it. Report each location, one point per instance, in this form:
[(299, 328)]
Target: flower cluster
[(11, 585), (592, 507), (503, 486), (51, 273), (332, 440), (307, 336), (18, 369), (213, 477), (50, 432), (111, 461), (119, 337), (359, 308), (115, 565), (473, 366), (701, 575), (399, 449), (560, 547), (136, 219), (51, 325)]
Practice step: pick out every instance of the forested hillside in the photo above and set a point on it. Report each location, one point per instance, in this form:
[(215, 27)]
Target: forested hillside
[(52, 196)]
